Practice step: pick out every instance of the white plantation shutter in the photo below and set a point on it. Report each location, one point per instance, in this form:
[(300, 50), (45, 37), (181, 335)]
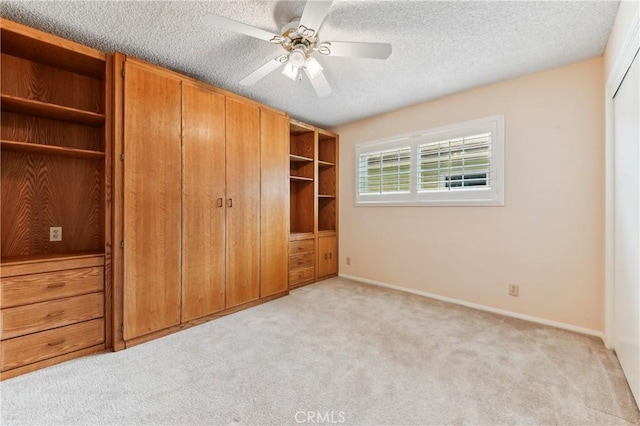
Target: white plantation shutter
[(455, 164), (385, 172), (462, 164)]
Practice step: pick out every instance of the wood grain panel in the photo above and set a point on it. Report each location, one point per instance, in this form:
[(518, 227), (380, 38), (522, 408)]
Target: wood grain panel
[(302, 144), (24, 128), (300, 276), (305, 246), (118, 202), (152, 210), (35, 288), (49, 191), (15, 372), (42, 316), (327, 180), (301, 260), (40, 82), (36, 264), (274, 208), (327, 214), (327, 146), (302, 206), (243, 201), (327, 256), (51, 111), (203, 201), (48, 344), (27, 42), (106, 205)]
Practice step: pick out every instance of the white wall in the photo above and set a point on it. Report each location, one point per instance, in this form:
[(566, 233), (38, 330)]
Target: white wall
[(548, 238)]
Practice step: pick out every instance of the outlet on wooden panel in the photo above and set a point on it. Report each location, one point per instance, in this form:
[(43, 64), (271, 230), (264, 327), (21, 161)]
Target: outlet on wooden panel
[(55, 233)]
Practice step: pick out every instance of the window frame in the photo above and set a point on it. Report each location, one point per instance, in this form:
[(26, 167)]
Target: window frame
[(464, 196)]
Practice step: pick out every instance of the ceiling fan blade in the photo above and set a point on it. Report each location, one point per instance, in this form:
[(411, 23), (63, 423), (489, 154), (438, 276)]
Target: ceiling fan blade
[(320, 84), (261, 72), (239, 27), (359, 50), (314, 13)]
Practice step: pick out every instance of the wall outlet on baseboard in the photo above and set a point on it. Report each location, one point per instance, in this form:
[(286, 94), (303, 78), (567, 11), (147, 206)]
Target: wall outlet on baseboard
[(514, 290), (348, 261), (55, 233)]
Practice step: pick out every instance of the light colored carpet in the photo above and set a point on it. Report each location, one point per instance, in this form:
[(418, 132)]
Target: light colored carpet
[(363, 354)]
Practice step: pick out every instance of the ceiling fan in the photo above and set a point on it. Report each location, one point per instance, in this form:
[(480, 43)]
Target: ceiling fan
[(299, 38)]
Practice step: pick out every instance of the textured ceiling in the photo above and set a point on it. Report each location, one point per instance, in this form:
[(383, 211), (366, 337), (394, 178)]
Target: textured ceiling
[(439, 48)]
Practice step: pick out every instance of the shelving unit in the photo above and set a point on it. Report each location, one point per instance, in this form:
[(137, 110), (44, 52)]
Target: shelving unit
[(302, 175), (327, 182), (314, 204), (55, 170)]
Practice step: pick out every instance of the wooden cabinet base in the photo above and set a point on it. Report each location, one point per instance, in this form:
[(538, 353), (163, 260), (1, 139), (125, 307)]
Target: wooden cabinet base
[(51, 361), (198, 321)]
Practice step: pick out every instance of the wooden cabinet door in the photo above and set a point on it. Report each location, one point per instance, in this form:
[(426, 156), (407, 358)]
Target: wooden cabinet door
[(203, 196), (151, 199), (243, 202), (274, 210), (327, 256)]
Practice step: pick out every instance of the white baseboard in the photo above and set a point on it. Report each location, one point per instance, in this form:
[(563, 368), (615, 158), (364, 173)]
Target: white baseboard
[(480, 307)]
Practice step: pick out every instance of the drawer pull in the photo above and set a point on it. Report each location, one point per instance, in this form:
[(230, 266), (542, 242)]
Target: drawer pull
[(57, 342), (55, 314), (220, 202), (57, 285)]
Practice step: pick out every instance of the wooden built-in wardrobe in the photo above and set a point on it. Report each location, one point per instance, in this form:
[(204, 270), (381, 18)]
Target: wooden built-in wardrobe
[(202, 190)]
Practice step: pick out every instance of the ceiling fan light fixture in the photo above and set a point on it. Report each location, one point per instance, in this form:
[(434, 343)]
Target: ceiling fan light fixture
[(297, 58), (313, 67), (290, 71)]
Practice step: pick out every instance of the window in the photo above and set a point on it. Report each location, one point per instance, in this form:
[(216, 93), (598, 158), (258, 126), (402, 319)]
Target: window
[(460, 164)]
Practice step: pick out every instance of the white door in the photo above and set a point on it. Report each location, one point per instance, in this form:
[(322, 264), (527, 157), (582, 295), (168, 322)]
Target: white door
[(626, 113)]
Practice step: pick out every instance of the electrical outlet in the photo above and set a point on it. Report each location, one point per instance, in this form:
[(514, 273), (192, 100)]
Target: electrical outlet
[(55, 233), (348, 261), (514, 290)]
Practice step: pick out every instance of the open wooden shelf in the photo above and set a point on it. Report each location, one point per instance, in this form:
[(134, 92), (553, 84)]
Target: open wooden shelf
[(35, 148), (51, 111), (325, 163), (299, 235), (33, 258), (299, 158), (41, 47), (301, 178)]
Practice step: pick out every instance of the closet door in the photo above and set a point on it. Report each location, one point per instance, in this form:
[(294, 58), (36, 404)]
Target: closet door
[(203, 196), (274, 210), (243, 202), (151, 199)]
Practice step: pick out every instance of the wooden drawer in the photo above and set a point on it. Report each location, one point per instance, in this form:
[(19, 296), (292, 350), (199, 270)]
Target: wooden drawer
[(297, 247), (26, 289), (46, 315), (301, 261), (48, 344), (300, 276)]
